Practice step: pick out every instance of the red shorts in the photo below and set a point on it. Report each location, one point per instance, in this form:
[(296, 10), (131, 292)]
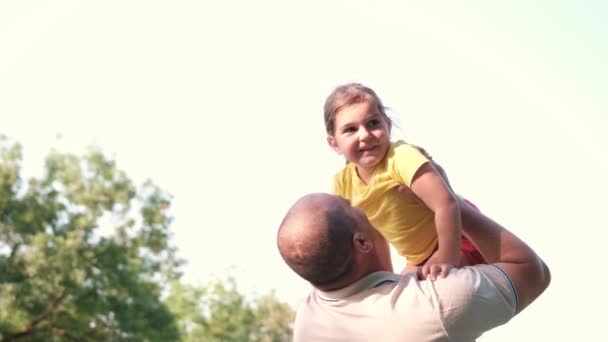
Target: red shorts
[(470, 254)]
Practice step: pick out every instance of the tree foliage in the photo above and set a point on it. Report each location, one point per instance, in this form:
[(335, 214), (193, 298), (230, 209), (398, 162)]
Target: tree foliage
[(82, 252), (219, 312), (85, 255)]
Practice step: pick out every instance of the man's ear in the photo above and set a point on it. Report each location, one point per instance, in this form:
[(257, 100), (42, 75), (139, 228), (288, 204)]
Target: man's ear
[(362, 242), (331, 141)]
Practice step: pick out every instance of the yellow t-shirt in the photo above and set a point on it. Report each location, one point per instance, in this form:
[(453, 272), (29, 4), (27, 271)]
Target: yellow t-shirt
[(407, 225)]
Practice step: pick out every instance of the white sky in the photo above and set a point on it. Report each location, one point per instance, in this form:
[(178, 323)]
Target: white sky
[(220, 104)]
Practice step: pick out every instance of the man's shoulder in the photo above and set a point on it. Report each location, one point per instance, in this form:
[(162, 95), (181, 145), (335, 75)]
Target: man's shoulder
[(463, 305), (480, 283), (474, 274), (474, 299)]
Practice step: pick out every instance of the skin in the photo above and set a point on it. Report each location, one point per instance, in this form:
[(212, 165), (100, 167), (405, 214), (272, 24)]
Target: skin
[(305, 228), (529, 274), (362, 136)]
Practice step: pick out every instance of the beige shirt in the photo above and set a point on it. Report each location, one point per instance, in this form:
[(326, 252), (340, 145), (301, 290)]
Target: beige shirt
[(385, 306)]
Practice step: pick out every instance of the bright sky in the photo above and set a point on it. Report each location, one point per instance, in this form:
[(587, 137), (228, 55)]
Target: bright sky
[(220, 103)]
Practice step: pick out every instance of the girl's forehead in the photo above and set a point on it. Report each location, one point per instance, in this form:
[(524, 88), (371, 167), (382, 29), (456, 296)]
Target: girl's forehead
[(362, 98), (370, 107)]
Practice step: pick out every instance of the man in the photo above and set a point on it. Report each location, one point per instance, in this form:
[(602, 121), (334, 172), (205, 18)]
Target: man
[(333, 246)]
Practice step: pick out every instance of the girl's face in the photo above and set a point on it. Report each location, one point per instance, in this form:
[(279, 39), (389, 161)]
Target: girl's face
[(361, 134)]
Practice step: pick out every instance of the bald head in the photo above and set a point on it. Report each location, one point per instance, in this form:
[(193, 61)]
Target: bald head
[(316, 238)]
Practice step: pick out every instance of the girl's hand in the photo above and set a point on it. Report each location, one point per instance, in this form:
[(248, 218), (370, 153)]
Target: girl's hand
[(433, 270), (436, 266)]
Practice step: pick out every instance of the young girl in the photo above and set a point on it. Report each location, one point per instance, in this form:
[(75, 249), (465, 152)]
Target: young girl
[(428, 235)]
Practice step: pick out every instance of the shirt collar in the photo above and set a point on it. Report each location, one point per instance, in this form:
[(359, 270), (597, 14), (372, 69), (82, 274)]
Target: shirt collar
[(368, 282)]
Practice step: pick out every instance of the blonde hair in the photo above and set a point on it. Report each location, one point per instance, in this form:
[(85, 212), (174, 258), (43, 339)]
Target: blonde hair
[(346, 95)]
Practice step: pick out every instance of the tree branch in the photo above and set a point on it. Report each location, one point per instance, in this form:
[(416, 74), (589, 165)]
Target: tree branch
[(14, 252), (31, 327)]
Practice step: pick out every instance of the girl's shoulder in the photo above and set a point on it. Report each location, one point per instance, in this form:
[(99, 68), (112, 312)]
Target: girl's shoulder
[(402, 145), (401, 149), (346, 172)]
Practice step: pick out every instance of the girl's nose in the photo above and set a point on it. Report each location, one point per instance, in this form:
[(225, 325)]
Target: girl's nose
[(364, 134)]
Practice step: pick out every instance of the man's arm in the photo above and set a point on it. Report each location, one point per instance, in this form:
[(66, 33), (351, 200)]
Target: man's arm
[(529, 274)]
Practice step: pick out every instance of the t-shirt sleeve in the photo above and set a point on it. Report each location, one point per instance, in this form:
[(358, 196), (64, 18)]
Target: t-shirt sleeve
[(299, 329), (473, 300), (404, 161)]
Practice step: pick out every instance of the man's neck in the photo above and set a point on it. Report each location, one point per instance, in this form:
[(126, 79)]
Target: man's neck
[(348, 279), (370, 281)]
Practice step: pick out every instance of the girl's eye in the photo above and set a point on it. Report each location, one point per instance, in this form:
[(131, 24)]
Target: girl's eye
[(374, 122), (349, 130)]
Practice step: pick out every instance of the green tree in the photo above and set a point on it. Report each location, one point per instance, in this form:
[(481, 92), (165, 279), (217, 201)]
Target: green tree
[(83, 252), (219, 312)]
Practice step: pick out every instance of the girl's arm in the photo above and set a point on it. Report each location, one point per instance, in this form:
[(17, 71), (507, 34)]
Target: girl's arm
[(438, 167), (429, 185)]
